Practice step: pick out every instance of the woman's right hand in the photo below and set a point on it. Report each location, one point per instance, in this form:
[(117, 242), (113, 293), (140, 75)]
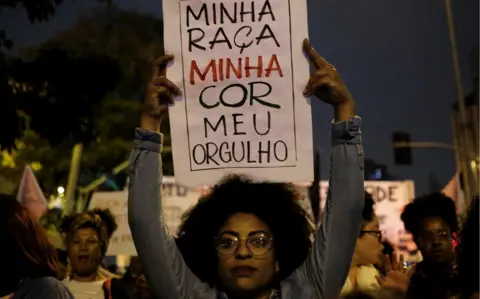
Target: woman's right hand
[(397, 276), (160, 93)]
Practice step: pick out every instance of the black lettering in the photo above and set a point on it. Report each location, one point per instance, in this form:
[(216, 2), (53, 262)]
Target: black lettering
[(381, 194), (202, 153), (217, 40), (202, 101), (238, 160), (249, 152), (224, 13), (224, 153), (267, 130), (237, 122), (371, 190), (263, 35), (254, 97), (212, 150), (237, 104), (203, 12), (243, 12), (193, 41), (280, 143), (247, 34), (240, 151), (221, 121), (391, 191), (266, 152), (266, 10)]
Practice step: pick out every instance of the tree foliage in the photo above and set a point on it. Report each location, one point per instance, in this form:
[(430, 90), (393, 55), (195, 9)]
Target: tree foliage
[(37, 11), (84, 85)]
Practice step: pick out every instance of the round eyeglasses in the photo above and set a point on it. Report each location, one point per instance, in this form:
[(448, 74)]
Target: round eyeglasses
[(376, 233), (257, 243)]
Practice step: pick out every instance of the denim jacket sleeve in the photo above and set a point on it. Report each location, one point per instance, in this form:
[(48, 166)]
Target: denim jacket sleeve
[(161, 260), (326, 268)]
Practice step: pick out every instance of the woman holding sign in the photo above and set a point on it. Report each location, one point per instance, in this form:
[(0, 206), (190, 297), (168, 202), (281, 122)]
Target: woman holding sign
[(250, 235)]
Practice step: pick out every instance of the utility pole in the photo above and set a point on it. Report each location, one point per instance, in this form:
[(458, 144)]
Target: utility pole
[(464, 138)]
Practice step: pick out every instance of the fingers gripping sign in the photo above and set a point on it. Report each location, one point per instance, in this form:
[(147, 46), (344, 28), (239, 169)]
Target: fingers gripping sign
[(325, 83)]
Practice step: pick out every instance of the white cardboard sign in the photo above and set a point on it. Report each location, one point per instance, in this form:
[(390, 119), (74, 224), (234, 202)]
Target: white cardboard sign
[(241, 69)]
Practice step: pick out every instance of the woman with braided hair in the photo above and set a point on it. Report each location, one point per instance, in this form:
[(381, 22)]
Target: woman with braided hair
[(87, 236)]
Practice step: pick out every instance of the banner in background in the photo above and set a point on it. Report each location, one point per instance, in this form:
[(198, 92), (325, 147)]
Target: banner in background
[(390, 198)]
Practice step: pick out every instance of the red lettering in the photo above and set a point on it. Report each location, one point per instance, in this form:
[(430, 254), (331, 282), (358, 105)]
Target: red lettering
[(225, 69), (273, 66), (210, 67), (237, 71), (258, 67)]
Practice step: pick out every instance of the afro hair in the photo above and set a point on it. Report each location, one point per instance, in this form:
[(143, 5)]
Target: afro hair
[(434, 205), (275, 204)]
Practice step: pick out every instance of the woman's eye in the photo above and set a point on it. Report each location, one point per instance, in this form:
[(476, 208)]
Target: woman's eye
[(226, 243), (259, 242)]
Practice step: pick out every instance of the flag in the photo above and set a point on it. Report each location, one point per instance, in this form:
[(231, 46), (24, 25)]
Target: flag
[(30, 195)]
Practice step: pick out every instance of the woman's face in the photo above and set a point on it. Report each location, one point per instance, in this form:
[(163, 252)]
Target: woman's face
[(85, 252), (368, 249), (246, 256)]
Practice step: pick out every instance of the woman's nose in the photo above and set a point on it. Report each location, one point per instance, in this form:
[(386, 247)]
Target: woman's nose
[(242, 250)]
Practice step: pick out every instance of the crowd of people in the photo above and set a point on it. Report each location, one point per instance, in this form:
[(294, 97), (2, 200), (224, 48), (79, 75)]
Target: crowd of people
[(246, 239)]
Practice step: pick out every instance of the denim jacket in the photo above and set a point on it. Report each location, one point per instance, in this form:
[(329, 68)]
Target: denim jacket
[(323, 273)]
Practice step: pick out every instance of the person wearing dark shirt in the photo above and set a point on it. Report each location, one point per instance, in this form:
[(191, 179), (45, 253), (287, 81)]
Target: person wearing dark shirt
[(467, 253), (432, 220)]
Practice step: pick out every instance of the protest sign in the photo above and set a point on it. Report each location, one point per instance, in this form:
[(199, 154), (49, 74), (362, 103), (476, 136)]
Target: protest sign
[(176, 199), (121, 241), (390, 199), (242, 71)]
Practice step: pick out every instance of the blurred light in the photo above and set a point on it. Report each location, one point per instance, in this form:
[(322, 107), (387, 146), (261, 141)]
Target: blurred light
[(60, 190), (474, 164), (58, 203), (378, 174)]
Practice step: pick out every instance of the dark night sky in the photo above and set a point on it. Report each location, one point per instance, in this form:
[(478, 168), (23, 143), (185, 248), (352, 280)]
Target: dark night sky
[(394, 56)]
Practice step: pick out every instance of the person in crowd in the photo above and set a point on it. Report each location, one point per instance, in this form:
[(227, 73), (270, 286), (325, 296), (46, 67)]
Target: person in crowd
[(126, 286), (30, 266), (87, 236), (249, 239), (368, 252), (468, 251), (143, 288), (386, 252), (432, 221)]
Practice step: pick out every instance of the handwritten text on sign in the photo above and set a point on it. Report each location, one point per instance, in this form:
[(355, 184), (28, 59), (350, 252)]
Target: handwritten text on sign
[(242, 71), (236, 60)]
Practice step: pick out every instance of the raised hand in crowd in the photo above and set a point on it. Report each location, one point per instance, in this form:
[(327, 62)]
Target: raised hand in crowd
[(397, 275)]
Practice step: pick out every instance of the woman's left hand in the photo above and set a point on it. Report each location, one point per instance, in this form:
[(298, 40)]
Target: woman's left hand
[(327, 85)]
